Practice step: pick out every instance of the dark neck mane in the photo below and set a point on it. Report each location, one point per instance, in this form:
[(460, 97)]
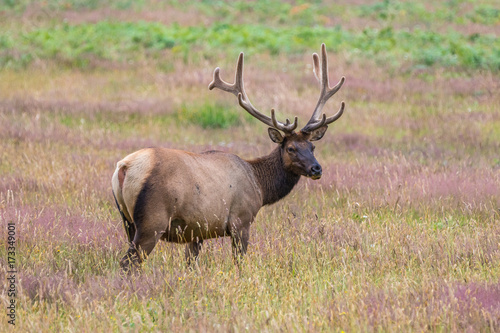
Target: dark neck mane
[(275, 182)]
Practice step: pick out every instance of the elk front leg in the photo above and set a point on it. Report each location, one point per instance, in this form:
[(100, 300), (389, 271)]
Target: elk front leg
[(192, 250)]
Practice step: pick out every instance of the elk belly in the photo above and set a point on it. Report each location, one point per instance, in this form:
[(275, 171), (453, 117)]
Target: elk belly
[(181, 232), (198, 215)]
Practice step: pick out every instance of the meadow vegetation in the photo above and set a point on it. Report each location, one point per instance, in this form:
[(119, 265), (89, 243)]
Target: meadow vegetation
[(401, 233)]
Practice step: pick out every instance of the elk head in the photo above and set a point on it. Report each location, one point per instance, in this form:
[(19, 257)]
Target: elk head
[(297, 149)]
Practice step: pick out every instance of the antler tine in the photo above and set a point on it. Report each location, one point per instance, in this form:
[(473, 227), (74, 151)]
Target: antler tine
[(234, 88), (339, 113), (237, 88), (316, 69), (321, 74), (287, 127)]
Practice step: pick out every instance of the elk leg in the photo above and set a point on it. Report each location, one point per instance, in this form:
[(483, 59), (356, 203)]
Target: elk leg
[(140, 248), (131, 260), (239, 242), (192, 250)]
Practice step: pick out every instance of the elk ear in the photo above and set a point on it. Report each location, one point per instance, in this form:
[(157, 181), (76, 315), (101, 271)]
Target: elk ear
[(318, 133), (275, 135)]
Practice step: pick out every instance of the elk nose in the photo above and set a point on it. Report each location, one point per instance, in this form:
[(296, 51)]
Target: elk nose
[(316, 171)]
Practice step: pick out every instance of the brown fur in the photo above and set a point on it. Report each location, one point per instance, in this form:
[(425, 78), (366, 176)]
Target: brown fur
[(274, 180), (185, 197)]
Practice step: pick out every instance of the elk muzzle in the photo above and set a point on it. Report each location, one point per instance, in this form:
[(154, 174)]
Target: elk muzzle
[(315, 171)]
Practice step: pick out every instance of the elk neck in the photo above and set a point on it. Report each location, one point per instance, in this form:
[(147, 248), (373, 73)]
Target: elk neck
[(274, 180)]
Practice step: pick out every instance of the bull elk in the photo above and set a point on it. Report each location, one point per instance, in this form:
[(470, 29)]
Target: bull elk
[(185, 197)]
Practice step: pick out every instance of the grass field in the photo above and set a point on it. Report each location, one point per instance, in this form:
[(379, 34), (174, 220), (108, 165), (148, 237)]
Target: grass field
[(402, 232)]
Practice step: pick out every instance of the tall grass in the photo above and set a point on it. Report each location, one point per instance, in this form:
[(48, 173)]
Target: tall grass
[(400, 234)]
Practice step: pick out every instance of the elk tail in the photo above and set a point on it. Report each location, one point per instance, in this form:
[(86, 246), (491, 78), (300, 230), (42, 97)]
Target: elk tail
[(129, 227)]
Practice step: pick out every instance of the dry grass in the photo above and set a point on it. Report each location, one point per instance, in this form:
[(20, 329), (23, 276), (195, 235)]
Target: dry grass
[(401, 233)]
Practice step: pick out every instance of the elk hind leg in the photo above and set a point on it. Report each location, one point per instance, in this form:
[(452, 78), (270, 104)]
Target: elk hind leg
[(239, 241), (140, 248), (131, 261)]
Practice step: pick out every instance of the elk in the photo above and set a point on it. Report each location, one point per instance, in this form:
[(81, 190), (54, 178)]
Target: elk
[(186, 197)]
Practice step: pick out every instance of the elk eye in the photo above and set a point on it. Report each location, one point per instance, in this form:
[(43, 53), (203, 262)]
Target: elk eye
[(290, 149)]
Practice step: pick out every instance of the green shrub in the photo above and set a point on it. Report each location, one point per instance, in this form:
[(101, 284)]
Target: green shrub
[(210, 115), (485, 15)]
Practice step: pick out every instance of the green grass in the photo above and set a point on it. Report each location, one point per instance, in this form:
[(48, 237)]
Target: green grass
[(22, 5), (85, 44), (209, 115)]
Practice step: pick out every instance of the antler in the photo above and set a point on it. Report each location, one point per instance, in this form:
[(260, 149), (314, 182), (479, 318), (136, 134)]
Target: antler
[(326, 92), (238, 90)]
